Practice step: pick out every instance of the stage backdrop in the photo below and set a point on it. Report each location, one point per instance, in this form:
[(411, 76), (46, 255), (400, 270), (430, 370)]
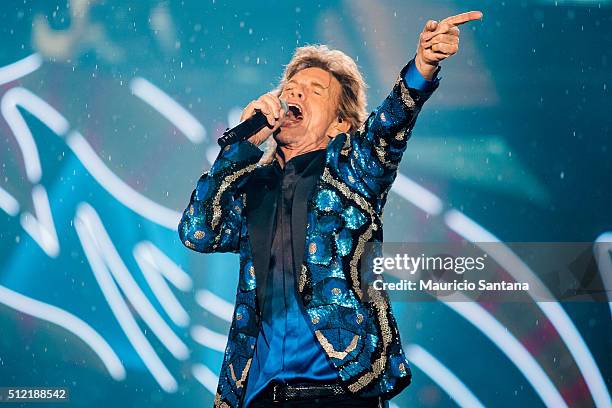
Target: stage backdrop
[(110, 112)]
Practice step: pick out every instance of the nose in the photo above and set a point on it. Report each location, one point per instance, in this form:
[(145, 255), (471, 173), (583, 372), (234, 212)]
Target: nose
[(297, 92)]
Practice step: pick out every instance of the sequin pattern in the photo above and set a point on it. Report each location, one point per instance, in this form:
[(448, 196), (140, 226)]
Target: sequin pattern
[(343, 214)]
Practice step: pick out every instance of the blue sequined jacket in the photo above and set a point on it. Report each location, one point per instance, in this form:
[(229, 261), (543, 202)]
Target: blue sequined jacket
[(230, 211)]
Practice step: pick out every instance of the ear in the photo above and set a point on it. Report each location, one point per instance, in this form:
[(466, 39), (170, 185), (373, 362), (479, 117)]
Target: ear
[(338, 126)]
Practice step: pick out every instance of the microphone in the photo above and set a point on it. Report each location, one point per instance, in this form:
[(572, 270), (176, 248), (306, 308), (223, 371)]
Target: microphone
[(246, 128)]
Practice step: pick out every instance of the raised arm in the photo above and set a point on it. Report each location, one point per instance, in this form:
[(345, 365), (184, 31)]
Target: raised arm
[(212, 221), (377, 147)]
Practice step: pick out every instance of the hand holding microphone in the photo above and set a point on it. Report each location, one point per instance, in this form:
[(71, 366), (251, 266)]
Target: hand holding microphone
[(260, 119)]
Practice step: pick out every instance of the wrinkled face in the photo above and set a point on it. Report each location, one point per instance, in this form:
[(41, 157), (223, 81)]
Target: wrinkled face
[(312, 95)]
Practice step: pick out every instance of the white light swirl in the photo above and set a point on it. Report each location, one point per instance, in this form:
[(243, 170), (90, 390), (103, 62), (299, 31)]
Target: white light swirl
[(68, 321), (88, 230), (20, 68), (442, 376), (470, 230), (169, 108)]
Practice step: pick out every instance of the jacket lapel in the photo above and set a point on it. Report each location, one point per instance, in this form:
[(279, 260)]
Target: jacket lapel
[(262, 192), (303, 188)]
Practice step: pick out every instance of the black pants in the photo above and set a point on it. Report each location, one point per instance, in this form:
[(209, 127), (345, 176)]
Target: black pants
[(343, 401)]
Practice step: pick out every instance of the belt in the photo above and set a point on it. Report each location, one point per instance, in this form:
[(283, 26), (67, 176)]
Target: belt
[(289, 392)]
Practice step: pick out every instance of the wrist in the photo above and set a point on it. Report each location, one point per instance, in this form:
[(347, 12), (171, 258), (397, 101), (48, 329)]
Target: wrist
[(425, 69), (253, 141)]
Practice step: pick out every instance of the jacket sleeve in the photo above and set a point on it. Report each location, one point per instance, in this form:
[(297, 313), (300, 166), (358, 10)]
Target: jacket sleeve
[(377, 146), (212, 221)]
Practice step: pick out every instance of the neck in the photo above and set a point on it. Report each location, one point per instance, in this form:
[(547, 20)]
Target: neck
[(284, 153)]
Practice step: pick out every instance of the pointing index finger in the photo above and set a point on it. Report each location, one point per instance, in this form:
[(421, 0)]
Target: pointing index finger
[(463, 18)]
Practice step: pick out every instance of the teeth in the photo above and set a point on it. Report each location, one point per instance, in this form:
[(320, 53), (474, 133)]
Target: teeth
[(293, 105), (295, 110)]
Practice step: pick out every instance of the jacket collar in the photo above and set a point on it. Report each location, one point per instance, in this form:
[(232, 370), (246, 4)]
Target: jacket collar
[(262, 191)]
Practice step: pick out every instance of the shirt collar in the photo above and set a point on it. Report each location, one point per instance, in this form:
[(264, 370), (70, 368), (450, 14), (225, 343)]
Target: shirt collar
[(299, 163)]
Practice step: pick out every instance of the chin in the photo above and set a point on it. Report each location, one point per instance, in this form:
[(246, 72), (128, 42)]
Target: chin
[(289, 135)]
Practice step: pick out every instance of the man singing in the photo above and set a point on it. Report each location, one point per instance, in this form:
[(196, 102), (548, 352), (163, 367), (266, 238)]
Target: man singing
[(303, 335)]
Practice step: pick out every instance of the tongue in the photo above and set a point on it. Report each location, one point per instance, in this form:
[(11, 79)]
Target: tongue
[(291, 116)]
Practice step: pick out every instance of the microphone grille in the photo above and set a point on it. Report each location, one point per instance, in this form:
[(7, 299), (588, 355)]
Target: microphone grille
[(284, 105)]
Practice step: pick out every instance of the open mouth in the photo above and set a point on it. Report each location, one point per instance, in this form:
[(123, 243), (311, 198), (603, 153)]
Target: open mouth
[(294, 114)]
